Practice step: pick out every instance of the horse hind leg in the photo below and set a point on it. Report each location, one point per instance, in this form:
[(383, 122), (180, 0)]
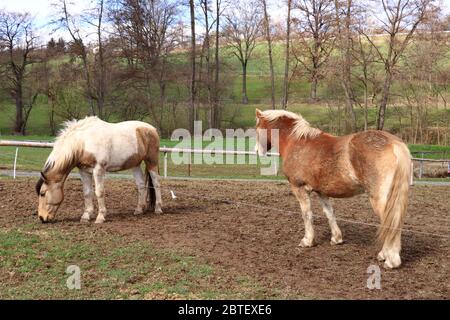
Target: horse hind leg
[(142, 191), (99, 179), (154, 188), (336, 234), (390, 251), (390, 206)]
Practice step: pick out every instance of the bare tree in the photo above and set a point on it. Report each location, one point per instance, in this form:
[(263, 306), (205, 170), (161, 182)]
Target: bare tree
[(243, 23), (287, 56), (343, 20), (146, 36), (72, 25), (17, 44), (193, 113), (315, 37), (215, 115), (401, 19), (365, 60), (96, 18), (206, 53), (269, 51)]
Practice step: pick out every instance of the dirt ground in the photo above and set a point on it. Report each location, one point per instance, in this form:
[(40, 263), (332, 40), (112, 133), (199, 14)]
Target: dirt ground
[(253, 228)]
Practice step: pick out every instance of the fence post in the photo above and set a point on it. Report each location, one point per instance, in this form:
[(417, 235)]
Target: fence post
[(189, 164), (15, 163), (412, 174), (421, 169), (165, 164)]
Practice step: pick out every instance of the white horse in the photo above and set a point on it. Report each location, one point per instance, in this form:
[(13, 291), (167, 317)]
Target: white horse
[(96, 147)]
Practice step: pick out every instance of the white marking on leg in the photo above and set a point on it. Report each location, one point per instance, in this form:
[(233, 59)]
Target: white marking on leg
[(336, 234), (156, 185), (305, 204), (392, 254)]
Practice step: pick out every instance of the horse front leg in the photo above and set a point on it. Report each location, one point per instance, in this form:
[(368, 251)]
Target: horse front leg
[(303, 198), (99, 179), (88, 192), (336, 234)]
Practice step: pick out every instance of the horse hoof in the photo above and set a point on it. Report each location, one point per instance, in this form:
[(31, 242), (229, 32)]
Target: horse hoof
[(84, 220), (335, 242), (381, 256), (138, 212), (100, 220), (306, 243), (158, 211), (392, 261)]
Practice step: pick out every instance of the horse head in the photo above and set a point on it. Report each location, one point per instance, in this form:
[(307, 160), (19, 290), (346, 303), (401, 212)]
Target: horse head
[(51, 195), (263, 134)]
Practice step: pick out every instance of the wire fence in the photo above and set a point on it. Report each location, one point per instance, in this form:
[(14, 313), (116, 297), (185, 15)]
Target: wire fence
[(441, 233)]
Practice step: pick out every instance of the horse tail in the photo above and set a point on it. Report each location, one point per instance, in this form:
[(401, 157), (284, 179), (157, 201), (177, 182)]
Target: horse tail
[(151, 193), (397, 200)]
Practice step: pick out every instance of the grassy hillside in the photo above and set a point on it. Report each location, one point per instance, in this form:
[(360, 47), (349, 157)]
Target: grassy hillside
[(324, 114)]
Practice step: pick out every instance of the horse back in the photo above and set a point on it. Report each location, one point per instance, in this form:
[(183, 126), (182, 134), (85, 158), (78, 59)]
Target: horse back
[(121, 146), (340, 166)]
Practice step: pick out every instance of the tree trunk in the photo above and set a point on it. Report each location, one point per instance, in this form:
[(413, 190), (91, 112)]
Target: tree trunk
[(366, 107), (215, 115), (384, 101), (269, 48), (192, 113), (313, 93), (101, 84), (208, 66), (88, 82), (344, 37), (286, 63), (18, 125), (244, 83)]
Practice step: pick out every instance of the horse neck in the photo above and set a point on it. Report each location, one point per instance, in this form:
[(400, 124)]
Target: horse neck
[(284, 138), (62, 165), (57, 176)]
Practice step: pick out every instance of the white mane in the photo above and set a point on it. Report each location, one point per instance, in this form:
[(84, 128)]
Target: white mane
[(67, 148), (301, 128)]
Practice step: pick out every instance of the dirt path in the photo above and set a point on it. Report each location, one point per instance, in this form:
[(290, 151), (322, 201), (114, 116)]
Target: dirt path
[(209, 219)]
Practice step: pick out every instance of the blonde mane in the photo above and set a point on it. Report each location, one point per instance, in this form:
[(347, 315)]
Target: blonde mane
[(67, 147), (301, 127)]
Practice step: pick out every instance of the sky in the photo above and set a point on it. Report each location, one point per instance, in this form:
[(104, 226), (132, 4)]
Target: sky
[(43, 12)]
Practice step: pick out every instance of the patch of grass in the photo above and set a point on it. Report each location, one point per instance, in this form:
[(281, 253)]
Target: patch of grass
[(33, 264)]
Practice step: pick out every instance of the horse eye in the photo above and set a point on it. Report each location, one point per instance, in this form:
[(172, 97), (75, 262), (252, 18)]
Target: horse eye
[(42, 194)]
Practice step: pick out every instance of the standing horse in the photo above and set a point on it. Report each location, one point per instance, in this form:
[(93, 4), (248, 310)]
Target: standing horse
[(375, 162), (96, 147)]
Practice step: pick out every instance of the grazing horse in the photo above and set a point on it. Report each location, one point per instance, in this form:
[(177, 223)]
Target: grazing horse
[(375, 162), (96, 147)]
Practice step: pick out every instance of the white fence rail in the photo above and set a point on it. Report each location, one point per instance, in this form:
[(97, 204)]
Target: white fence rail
[(164, 150)]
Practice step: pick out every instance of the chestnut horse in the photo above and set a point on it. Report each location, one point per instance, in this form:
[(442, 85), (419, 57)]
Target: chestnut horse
[(96, 147), (375, 162)]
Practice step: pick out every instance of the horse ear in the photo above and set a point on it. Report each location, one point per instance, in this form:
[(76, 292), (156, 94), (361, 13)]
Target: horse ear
[(258, 113), (43, 177)]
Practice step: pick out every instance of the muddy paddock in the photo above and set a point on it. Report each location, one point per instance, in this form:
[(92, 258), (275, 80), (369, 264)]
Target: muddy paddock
[(254, 228)]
